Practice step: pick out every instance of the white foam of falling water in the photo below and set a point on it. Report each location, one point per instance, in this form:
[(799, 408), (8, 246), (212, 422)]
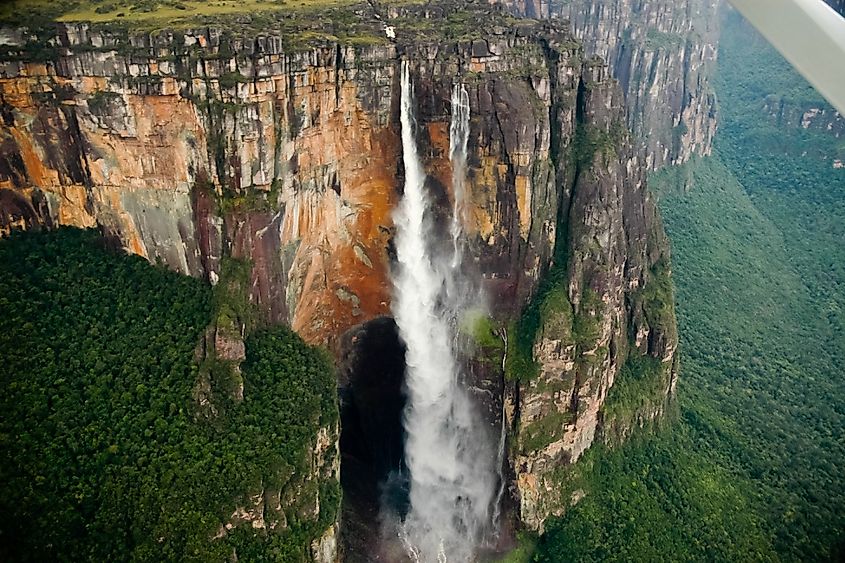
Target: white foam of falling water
[(458, 138), (447, 450), (500, 461), (500, 453)]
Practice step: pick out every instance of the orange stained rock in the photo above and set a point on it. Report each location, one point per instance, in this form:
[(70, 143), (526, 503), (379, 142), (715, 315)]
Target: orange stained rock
[(438, 133), (339, 275), (36, 171), (338, 288), (483, 198), (136, 245), (440, 167), (37, 69), (111, 198), (523, 204), (93, 83), (328, 254), (157, 155), (72, 209)]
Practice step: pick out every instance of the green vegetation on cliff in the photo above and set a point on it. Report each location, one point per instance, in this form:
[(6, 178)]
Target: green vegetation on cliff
[(655, 500), (298, 23), (752, 470), (150, 12), (103, 456), (639, 389)]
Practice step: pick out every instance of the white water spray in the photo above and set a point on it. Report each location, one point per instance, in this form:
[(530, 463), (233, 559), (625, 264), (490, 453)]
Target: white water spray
[(447, 448), (500, 452), (458, 137)]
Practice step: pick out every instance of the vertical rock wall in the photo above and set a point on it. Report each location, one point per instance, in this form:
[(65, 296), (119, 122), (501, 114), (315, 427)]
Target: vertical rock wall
[(662, 52), (287, 160), (608, 305)]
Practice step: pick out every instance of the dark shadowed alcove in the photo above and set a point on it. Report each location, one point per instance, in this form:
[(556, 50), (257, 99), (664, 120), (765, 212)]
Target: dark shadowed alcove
[(371, 372)]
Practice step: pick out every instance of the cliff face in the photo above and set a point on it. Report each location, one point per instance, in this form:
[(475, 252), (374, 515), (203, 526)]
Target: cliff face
[(662, 53), (186, 156), (288, 160), (199, 147), (785, 113), (603, 323)]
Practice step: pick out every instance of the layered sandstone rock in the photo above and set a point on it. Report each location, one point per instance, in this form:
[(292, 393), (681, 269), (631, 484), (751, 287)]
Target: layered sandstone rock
[(283, 165), (187, 154)]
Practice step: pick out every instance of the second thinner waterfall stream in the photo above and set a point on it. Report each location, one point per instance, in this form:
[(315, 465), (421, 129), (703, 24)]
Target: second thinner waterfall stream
[(448, 453)]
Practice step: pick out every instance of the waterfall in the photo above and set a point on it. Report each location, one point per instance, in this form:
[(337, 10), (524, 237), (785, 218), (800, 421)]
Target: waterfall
[(458, 137), (459, 290), (500, 452), (500, 471), (447, 449)]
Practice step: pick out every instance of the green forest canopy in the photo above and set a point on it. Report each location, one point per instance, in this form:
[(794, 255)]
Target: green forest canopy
[(101, 455)]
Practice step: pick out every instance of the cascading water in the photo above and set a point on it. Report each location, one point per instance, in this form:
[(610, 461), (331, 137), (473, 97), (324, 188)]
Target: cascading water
[(458, 137), (447, 449), (500, 451)]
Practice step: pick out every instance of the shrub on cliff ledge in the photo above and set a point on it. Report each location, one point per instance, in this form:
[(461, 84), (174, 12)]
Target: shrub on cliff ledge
[(101, 455)]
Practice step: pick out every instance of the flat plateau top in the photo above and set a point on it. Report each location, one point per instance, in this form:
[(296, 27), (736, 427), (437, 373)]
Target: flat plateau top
[(29, 26), (160, 13), (145, 11)]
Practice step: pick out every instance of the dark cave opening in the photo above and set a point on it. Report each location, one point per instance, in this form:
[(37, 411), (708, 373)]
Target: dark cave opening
[(372, 400)]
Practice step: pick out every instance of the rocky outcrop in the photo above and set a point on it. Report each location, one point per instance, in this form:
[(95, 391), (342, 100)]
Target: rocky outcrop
[(801, 108), (188, 148), (663, 53), (203, 150), (607, 320), (295, 495), (785, 113), (187, 156)]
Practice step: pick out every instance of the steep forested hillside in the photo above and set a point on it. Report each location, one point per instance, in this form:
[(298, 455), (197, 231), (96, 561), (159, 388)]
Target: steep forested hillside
[(755, 466), (103, 453)]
